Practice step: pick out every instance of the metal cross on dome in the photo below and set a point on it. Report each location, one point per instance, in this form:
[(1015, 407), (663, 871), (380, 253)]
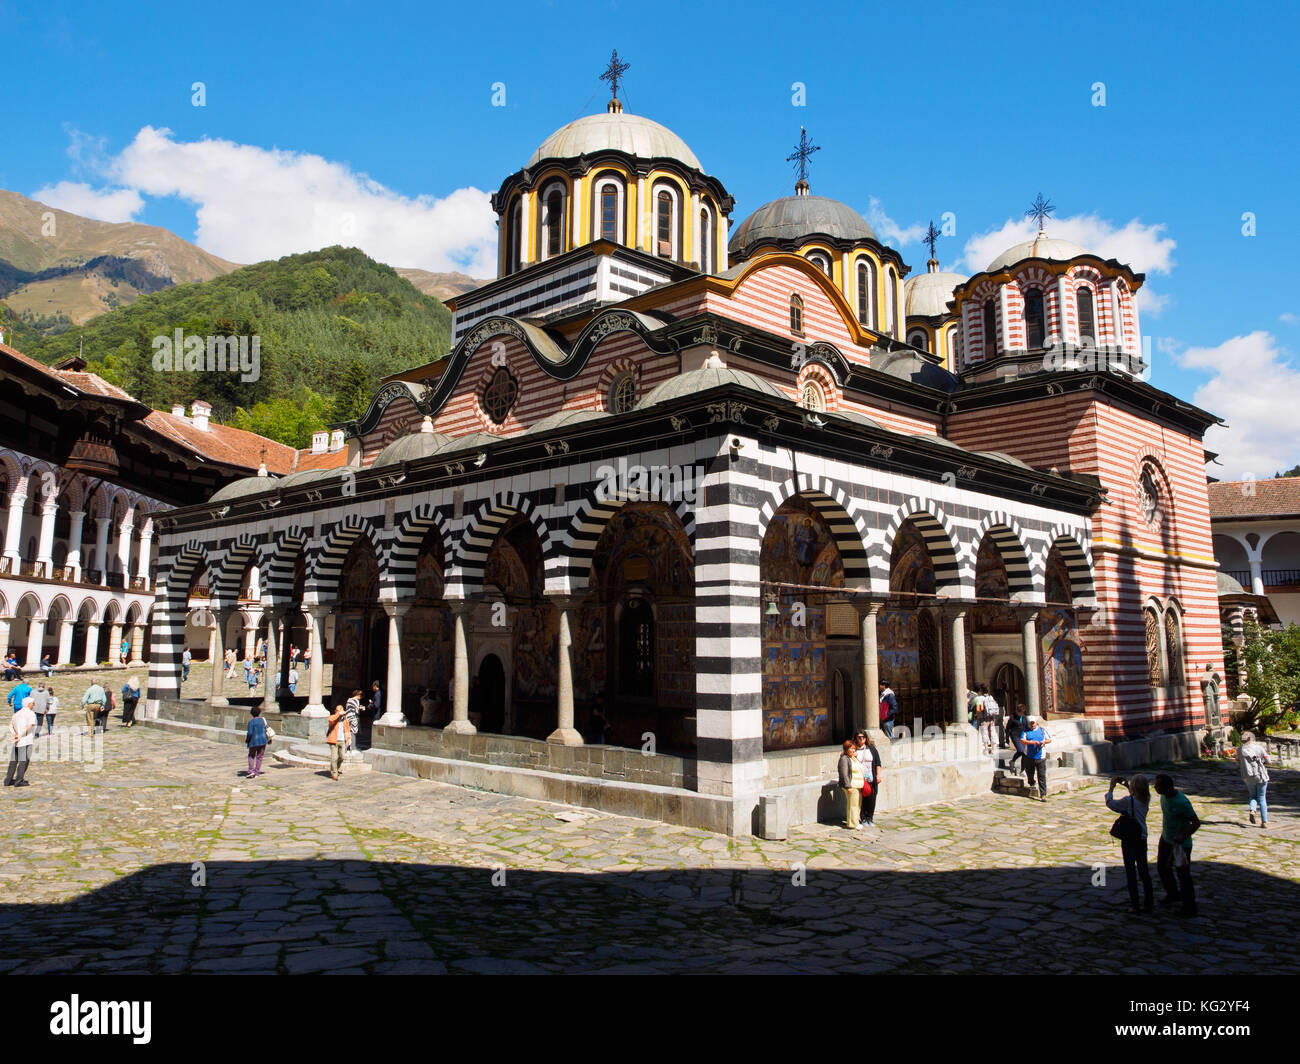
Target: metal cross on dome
[(1040, 210), (800, 154), (931, 237), (614, 72)]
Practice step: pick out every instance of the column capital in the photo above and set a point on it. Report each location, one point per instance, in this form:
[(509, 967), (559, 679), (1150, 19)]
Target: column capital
[(565, 601), (396, 609), (461, 606), (866, 605)]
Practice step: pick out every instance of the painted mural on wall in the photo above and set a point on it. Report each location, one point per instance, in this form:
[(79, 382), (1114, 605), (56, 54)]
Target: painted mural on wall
[(898, 626), (358, 595), (643, 546), (991, 582), (1062, 660), (797, 549), (349, 648), (426, 631)]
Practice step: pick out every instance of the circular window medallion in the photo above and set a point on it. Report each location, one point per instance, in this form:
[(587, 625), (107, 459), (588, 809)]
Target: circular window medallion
[(811, 397), (500, 395)]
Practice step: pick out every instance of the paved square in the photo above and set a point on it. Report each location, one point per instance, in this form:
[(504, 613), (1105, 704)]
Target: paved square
[(380, 873)]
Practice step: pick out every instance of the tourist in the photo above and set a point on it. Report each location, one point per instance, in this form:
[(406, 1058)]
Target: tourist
[(990, 716), (376, 702), (1015, 729), (51, 708), (1174, 852), (230, 663), (1252, 763), (293, 653), (12, 671), (869, 756), (130, 699), (125, 650), (353, 710), (21, 729), (250, 676), (973, 702), (110, 704), (1035, 742), (851, 780), (92, 702), (47, 666), (888, 708), (186, 658), (293, 679), (40, 705), (1131, 830), (598, 728), (22, 690), (337, 740), (255, 739)]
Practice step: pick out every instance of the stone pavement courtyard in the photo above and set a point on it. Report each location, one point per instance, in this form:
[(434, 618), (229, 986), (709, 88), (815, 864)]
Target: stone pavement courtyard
[(168, 860)]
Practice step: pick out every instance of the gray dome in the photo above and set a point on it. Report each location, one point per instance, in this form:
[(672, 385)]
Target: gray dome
[(1041, 247), (618, 131), (243, 487), (1227, 585), (702, 380), (796, 217), (307, 476), (563, 418), (409, 448), (927, 294)]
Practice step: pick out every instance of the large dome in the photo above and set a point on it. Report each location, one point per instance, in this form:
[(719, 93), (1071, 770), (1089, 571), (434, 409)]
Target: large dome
[(793, 218), (927, 294), (1041, 247), (616, 131)]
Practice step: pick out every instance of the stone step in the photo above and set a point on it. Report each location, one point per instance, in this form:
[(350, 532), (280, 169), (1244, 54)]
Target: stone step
[(317, 756), (1059, 781)]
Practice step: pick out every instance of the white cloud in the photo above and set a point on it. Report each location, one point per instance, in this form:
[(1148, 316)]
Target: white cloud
[(1253, 388), (254, 203), (1289, 318), (103, 204), (1152, 304), (889, 231), (1143, 247)]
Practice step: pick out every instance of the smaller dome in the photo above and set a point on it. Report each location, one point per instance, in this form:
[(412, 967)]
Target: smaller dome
[(927, 294), (706, 379), (1227, 585), (1041, 247), (563, 418), (308, 476), (793, 218), (410, 448), (244, 487), (616, 131)]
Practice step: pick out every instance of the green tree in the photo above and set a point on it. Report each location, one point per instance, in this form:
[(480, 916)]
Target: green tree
[(1267, 666), (352, 398)]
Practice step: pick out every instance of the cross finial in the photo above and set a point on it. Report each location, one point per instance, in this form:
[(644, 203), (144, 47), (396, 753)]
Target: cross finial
[(931, 237), (800, 155), (614, 72), (1041, 210)]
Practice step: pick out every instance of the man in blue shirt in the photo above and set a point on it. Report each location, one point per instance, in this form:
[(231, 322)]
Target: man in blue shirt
[(16, 696), (1035, 741)]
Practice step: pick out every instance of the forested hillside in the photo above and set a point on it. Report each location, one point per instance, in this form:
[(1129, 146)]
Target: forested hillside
[(330, 324)]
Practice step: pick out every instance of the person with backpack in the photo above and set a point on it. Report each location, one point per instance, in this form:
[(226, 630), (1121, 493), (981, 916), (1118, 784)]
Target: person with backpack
[(353, 711), (1015, 729), (130, 699), (256, 738), (1174, 852), (1252, 763), (990, 716), (40, 706), (888, 708), (1131, 830)]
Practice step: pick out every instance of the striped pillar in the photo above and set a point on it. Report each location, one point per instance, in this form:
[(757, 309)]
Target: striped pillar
[(728, 635), (168, 637)]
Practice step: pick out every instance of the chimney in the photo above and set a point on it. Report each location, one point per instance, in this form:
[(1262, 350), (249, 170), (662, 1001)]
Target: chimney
[(178, 410), (336, 441), (199, 411), (319, 441)]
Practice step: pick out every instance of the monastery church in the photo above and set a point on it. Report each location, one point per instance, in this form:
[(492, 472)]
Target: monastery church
[(687, 488)]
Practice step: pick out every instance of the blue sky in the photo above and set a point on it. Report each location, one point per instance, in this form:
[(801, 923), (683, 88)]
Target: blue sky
[(373, 124)]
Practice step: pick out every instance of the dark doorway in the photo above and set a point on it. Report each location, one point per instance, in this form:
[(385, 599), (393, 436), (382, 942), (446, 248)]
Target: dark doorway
[(841, 700), (492, 695), (1008, 687), (637, 650)]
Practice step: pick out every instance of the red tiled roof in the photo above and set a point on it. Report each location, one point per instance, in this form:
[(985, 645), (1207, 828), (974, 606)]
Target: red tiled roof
[(222, 443), (1279, 497), (88, 382), (329, 460)]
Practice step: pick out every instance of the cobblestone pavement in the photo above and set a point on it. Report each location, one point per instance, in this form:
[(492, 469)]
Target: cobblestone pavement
[(168, 860)]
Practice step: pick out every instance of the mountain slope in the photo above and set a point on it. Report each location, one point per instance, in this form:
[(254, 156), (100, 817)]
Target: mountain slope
[(441, 286)]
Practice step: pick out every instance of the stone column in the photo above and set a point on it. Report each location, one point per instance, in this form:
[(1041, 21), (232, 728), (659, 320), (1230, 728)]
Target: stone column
[(146, 546), (1256, 577), (35, 640), (867, 612), (92, 643), (565, 733), (250, 640), (137, 645), (45, 541), (460, 722), (960, 715), (270, 675), (65, 642), (393, 717), (1033, 677), (115, 643), (316, 673), (4, 635), (124, 550), (14, 527), (74, 543), (218, 656), (101, 547)]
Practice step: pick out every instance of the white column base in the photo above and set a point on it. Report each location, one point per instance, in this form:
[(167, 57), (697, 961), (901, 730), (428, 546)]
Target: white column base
[(460, 727), (565, 737), (314, 711), (391, 720), (218, 701)]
